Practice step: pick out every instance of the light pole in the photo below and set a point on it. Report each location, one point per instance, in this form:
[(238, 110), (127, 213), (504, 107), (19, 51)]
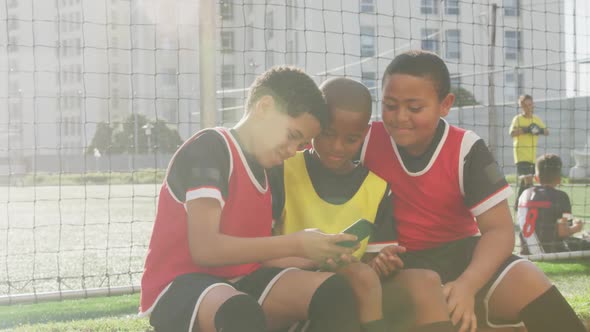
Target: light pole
[(492, 116), (207, 39), (578, 81), (148, 133)]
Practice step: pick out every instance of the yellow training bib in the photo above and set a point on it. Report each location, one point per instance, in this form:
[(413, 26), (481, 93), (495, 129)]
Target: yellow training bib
[(305, 209)]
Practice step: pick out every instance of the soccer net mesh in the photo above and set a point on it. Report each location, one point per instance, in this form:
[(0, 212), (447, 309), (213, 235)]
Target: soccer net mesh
[(96, 96)]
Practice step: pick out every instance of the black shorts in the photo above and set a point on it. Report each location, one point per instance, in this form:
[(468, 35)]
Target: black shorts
[(450, 261), (525, 168), (176, 307)]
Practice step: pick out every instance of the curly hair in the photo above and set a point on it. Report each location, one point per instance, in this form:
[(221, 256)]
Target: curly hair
[(293, 90)]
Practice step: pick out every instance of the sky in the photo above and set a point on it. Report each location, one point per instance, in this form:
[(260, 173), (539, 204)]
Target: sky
[(578, 11)]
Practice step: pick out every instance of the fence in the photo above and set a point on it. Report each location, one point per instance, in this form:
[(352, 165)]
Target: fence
[(71, 67)]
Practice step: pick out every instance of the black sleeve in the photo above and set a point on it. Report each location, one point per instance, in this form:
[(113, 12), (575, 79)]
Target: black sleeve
[(203, 162), (384, 222), (277, 189), (482, 176), (565, 203)]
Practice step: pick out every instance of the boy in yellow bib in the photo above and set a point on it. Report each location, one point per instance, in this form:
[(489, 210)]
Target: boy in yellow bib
[(325, 188), (525, 129)]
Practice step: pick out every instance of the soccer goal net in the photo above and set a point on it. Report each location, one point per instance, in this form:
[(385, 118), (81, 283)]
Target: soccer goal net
[(96, 95)]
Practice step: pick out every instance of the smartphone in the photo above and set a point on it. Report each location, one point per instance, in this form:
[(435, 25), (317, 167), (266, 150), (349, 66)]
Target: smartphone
[(362, 228)]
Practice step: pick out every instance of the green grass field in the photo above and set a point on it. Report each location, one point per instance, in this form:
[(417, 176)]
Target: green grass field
[(119, 313), (73, 237)]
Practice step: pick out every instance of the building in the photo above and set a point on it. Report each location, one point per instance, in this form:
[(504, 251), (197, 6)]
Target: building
[(71, 64), (359, 38)]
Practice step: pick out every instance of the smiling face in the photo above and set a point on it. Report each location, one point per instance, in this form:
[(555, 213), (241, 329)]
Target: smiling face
[(338, 144), (279, 135), (411, 110)]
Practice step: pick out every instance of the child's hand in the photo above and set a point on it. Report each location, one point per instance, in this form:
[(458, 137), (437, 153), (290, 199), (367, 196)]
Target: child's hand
[(577, 226), (320, 247), (525, 130), (535, 129), (333, 264), (387, 261), (461, 303)]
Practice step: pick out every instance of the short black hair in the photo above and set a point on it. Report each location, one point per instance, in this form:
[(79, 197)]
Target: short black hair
[(347, 94), (522, 98), (548, 168), (293, 90), (422, 64)]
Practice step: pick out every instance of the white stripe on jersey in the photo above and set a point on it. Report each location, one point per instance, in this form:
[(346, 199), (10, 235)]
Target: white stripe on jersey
[(188, 141), (434, 156), (205, 192), (253, 179), (492, 200), (365, 145), (469, 139)]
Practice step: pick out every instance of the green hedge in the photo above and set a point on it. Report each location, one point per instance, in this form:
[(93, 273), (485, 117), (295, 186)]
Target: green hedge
[(143, 176)]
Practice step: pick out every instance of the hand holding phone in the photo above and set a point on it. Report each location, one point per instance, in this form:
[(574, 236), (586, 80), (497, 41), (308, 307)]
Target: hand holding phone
[(361, 228)]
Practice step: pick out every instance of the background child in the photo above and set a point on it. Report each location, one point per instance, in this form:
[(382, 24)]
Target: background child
[(544, 212), (214, 223), (326, 188), (447, 190), (525, 129)]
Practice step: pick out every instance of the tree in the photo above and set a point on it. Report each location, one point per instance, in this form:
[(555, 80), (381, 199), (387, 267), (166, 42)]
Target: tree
[(125, 139), (120, 137), (102, 139), (163, 138), (463, 97)]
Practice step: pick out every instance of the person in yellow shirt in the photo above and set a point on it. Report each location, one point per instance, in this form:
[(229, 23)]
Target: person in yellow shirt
[(326, 187), (525, 130)]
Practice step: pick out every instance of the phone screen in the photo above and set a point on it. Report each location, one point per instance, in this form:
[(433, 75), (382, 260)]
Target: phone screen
[(362, 228)]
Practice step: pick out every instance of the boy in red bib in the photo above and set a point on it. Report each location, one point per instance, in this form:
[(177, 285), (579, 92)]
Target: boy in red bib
[(205, 267), (451, 207), (325, 187)]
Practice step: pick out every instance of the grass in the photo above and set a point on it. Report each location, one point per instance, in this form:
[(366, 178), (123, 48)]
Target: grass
[(75, 236), (118, 313), (92, 325), (572, 279)]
